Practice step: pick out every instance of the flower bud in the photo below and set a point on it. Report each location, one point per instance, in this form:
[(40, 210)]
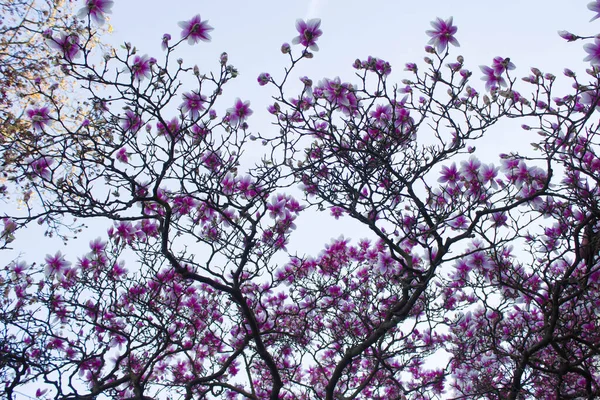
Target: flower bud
[(224, 58), (568, 36), (410, 67), (285, 48)]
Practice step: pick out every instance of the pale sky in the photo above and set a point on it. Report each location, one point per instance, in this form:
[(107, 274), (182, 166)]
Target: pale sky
[(252, 33)]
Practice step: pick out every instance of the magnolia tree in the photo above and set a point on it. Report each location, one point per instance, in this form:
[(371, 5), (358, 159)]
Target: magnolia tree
[(29, 71), (491, 267)]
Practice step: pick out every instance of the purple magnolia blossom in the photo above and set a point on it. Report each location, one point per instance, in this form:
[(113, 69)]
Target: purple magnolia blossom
[(169, 128), (568, 36), (193, 103), (338, 94), (264, 78), (41, 167), (593, 50), (595, 7), (309, 33), (96, 9), (403, 121), (410, 67), (442, 34), (382, 114), (165, 41), (56, 265), (122, 155), (488, 174), (141, 67), (500, 65), (450, 175), (591, 98), (239, 112), (40, 117), (492, 81), (469, 169), (67, 44), (132, 122), (195, 30)]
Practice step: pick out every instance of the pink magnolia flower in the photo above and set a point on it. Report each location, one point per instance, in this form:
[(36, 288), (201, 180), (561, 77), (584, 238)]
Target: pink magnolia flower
[(593, 50), (595, 7), (403, 121), (309, 33), (40, 117), (568, 36), (170, 128), (132, 122), (56, 265), (264, 78), (141, 67), (591, 98), (337, 212), (67, 44), (338, 94), (442, 34), (228, 183), (165, 41), (239, 112), (500, 65), (41, 167), (382, 114), (193, 103), (9, 226), (469, 170), (97, 246), (489, 173), (212, 160), (122, 155), (195, 30), (96, 9), (492, 81), (450, 175), (459, 222), (410, 67)]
